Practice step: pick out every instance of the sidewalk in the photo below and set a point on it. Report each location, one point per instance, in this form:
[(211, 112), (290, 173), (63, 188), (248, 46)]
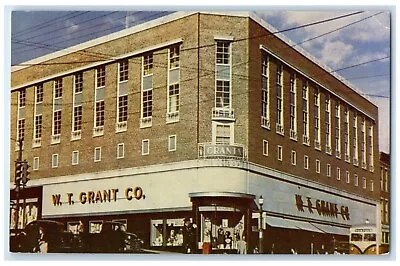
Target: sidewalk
[(151, 251)]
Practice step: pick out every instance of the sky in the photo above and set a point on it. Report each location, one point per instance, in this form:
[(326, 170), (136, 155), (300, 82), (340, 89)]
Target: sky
[(37, 33)]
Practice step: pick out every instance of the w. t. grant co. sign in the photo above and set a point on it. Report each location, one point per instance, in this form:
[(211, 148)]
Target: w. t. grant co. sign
[(209, 150)]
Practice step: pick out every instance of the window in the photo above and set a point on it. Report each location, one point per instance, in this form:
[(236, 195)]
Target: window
[(328, 123), (355, 140), (279, 153), (77, 109), (22, 98), (21, 128), (338, 173), (54, 160), (174, 56), (265, 147), (346, 134), (372, 185), (222, 95), (293, 158), (99, 101), (386, 180), (147, 91), (347, 177), (38, 122), (78, 82), (120, 150), (293, 103), (305, 162), (356, 180), (371, 147), (328, 170), (173, 85), (363, 147), (279, 100), (337, 129), (317, 166), (172, 143), (364, 183), (75, 157), (122, 100), (265, 91), (123, 70), (57, 122), (101, 76), (145, 147), (317, 126), (35, 163), (223, 134), (223, 52), (57, 106), (97, 154), (306, 139)]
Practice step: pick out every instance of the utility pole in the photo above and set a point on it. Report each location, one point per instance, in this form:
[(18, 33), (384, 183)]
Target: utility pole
[(17, 178)]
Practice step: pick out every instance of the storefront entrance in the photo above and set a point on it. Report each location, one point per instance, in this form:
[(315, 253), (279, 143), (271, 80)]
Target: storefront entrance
[(223, 218)]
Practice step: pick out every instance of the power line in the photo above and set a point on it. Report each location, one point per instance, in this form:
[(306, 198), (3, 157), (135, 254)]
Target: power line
[(66, 27), (46, 23)]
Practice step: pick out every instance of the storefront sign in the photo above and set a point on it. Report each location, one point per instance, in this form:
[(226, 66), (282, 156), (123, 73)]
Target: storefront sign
[(322, 207), (208, 150), (99, 196)]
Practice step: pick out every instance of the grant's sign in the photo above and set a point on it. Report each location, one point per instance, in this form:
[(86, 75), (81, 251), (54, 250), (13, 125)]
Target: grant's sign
[(96, 197), (208, 150)]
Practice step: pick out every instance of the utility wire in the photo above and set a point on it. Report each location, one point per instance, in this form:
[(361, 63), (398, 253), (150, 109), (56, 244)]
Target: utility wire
[(47, 23)]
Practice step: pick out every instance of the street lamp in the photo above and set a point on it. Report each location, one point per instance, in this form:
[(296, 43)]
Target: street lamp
[(261, 202)]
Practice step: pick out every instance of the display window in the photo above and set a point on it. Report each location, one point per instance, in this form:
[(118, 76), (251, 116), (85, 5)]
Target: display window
[(222, 229), (166, 232), (95, 227), (31, 214), (73, 227), (123, 222)]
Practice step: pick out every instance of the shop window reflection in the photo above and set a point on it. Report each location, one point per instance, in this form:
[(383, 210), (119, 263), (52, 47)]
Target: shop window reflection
[(173, 232)]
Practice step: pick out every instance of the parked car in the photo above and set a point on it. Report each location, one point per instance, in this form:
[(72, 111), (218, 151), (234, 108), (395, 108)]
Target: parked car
[(113, 238), (27, 240)]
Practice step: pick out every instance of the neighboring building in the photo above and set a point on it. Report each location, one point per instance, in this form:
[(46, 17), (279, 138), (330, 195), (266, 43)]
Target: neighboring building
[(384, 162), (197, 114)]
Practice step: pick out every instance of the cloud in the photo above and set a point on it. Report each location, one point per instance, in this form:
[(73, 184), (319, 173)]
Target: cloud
[(71, 27), (335, 53)]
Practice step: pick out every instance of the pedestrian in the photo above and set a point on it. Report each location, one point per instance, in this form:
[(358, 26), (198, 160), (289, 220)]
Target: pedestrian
[(242, 245), (189, 235), (221, 238), (206, 248), (293, 251), (43, 244)]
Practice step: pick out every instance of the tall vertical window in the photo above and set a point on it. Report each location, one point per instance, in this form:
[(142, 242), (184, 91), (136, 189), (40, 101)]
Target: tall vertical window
[(305, 162), (97, 154), (363, 147), (265, 147), (356, 180), (99, 101), (279, 100), (328, 146), (337, 128), (279, 153), (338, 173), (35, 163), (147, 91), (317, 121), (355, 139), (145, 147), (328, 170), (173, 84), (75, 158), (293, 103), (293, 158), (265, 91), (371, 147), (172, 143), (347, 177), (346, 134), (122, 92), (120, 150), (223, 79), (364, 183), (54, 160), (77, 110), (38, 122), (57, 108), (317, 166), (306, 138)]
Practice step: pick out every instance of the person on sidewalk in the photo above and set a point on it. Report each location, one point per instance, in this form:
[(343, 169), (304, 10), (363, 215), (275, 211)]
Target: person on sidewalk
[(189, 237), (242, 245)]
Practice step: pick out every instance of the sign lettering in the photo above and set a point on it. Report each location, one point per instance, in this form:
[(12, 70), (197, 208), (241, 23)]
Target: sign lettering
[(322, 207), (99, 196)]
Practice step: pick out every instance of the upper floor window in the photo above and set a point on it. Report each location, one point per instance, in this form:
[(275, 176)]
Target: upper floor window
[(101, 76), (58, 88), (78, 82), (39, 93), (223, 52), (147, 64), (123, 70), (174, 53), (22, 98)]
